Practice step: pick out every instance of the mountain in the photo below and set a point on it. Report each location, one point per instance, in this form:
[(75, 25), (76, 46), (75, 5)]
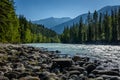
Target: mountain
[(51, 22), (59, 28)]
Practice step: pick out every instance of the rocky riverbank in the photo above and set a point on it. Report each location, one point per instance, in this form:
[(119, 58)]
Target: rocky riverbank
[(20, 62)]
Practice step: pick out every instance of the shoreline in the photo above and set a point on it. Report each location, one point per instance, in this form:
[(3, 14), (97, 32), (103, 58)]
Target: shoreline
[(23, 62)]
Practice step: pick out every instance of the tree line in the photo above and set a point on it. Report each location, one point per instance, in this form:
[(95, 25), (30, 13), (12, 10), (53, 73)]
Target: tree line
[(98, 28), (20, 30)]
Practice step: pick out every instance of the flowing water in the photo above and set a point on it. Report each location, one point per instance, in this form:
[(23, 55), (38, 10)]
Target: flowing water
[(101, 52)]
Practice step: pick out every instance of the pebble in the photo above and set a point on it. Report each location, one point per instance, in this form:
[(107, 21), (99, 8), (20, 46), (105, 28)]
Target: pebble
[(20, 62)]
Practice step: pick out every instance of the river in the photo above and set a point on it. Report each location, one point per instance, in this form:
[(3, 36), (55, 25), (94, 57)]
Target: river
[(101, 52)]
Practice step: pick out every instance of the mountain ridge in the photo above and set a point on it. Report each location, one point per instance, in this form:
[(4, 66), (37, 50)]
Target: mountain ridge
[(59, 28), (51, 21)]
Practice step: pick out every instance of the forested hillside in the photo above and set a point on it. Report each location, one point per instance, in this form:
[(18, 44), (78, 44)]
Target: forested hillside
[(99, 28), (19, 30)]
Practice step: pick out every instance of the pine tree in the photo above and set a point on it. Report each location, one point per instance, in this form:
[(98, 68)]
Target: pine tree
[(80, 35), (8, 22), (95, 23), (107, 27), (89, 31), (100, 27), (119, 24), (114, 29)]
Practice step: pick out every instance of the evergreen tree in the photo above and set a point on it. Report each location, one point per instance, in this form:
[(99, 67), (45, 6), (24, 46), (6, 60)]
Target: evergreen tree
[(95, 24), (119, 24), (107, 27), (66, 35), (8, 22), (80, 35), (100, 27), (114, 29), (89, 31)]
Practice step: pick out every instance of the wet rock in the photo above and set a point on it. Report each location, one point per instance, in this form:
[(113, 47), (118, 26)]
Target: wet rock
[(4, 69), (43, 76), (110, 77), (100, 68), (103, 72), (74, 77), (29, 63), (76, 58), (57, 51), (56, 71), (1, 73), (80, 69), (80, 63), (97, 62), (115, 69), (99, 78), (90, 67), (63, 77), (115, 78), (47, 76), (24, 74), (29, 78), (75, 72), (61, 63), (2, 64), (83, 77), (3, 78), (12, 75), (44, 66), (91, 75)]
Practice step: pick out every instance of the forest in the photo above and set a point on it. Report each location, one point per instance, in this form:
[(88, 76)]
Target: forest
[(17, 29), (97, 29)]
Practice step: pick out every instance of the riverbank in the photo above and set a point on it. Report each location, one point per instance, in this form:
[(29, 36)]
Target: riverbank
[(21, 62)]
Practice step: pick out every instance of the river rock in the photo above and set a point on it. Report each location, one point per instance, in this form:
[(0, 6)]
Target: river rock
[(80, 69), (76, 58), (75, 72), (99, 78), (80, 63), (90, 67), (3, 78), (99, 68), (105, 72), (2, 63), (61, 63), (74, 77), (12, 75), (91, 75), (29, 78)]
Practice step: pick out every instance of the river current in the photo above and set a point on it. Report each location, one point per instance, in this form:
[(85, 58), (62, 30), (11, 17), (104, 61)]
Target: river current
[(101, 52)]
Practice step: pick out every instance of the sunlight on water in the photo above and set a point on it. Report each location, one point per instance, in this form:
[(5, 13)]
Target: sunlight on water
[(102, 52)]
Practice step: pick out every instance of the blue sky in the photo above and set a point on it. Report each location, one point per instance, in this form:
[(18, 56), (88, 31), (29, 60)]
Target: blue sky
[(40, 9)]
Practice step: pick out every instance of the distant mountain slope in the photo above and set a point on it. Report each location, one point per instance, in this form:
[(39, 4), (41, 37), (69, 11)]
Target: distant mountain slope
[(51, 22), (59, 28)]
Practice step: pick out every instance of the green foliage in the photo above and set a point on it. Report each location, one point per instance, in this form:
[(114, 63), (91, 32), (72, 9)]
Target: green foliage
[(102, 28), (15, 30), (8, 22), (35, 33)]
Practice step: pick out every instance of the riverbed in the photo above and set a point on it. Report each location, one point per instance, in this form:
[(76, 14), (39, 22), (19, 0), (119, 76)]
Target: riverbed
[(101, 52)]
